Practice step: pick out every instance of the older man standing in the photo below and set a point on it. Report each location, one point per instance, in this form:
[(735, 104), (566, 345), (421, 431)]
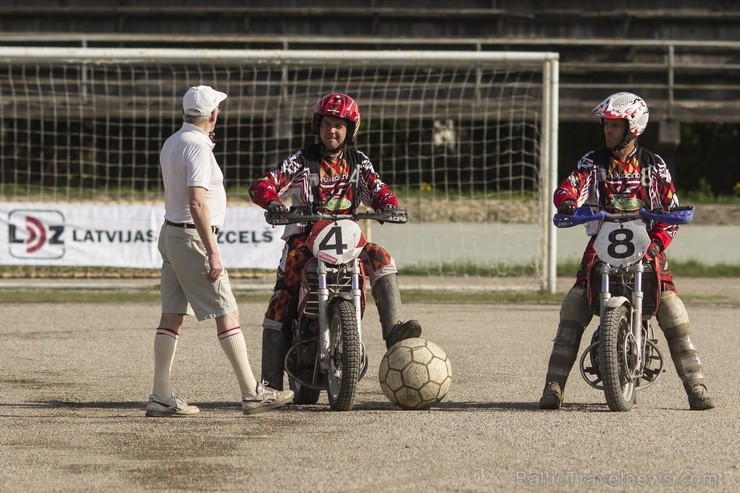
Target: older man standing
[(193, 278)]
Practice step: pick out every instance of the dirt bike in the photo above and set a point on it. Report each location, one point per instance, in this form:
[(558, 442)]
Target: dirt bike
[(326, 352), (624, 292)]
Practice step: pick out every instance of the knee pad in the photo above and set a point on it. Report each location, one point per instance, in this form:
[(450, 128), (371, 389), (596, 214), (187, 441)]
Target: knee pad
[(575, 308), (569, 335), (280, 306), (672, 316)]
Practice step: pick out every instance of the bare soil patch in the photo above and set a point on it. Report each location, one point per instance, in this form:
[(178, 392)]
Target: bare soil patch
[(72, 397)]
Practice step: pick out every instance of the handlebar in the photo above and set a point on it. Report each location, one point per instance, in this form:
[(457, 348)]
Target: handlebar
[(294, 216), (587, 213)]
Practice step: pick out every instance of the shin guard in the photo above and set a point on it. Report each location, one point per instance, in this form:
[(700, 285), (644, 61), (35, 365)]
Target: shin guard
[(575, 315), (674, 321)]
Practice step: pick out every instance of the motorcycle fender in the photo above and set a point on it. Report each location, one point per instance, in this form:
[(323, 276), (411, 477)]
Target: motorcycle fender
[(341, 295), (617, 301)]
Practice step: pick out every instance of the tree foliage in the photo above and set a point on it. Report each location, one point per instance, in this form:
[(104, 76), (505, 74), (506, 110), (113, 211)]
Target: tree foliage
[(708, 158)]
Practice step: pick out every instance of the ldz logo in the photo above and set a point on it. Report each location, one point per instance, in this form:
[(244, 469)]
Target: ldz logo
[(36, 234)]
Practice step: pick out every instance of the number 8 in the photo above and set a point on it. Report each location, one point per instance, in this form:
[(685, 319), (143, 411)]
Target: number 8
[(626, 241)]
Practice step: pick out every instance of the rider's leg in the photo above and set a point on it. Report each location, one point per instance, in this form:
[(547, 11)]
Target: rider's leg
[(575, 315), (282, 310), (381, 268), (274, 341), (674, 321), (388, 301)]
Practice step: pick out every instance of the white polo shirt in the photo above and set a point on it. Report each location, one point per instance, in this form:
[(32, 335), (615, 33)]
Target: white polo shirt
[(187, 160)]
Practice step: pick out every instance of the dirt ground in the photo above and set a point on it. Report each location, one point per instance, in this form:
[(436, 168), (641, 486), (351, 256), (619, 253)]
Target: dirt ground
[(74, 378), (720, 214)]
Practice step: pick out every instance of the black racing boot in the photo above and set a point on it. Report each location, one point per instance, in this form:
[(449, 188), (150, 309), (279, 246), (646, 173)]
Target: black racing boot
[(562, 358), (674, 321), (552, 396), (388, 302), (274, 347), (699, 399), (403, 330), (575, 315)]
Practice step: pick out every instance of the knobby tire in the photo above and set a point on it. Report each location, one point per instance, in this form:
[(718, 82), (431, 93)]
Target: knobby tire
[(346, 349), (619, 389), (303, 394)]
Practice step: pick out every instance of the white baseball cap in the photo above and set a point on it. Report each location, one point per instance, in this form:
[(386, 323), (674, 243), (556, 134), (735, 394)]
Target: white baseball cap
[(201, 100)]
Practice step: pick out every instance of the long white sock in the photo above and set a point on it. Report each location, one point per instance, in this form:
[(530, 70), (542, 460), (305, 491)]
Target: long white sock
[(233, 344), (165, 344)]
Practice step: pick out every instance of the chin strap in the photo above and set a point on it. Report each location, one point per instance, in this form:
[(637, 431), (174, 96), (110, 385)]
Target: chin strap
[(333, 153), (628, 138)]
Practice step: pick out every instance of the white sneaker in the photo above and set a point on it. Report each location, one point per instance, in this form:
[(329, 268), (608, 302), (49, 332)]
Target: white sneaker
[(265, 399), (172, 406)]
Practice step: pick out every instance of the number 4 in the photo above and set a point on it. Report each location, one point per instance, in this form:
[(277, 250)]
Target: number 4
[(337, 246)]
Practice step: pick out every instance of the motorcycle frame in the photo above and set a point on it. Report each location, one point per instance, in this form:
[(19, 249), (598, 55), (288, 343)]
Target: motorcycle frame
[(326, 297), (640, 328)]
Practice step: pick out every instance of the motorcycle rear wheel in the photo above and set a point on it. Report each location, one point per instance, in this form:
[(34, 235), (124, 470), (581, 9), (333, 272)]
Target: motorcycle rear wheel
[(615, 346), (304, 348), (346, 355), (303, 394)]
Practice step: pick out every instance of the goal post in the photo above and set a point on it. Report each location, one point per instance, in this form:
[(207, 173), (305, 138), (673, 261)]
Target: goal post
[(467, 139)]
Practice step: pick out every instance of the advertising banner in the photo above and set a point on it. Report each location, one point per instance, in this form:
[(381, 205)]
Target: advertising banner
[(122, 236)]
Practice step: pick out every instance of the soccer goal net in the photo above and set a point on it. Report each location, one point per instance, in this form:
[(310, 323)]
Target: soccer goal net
[(467, 140)]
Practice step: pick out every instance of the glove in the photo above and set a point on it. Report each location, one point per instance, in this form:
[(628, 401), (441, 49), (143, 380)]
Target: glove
[(386, 208), (275, 211), (653, 250), (276, 208), (568, 207)]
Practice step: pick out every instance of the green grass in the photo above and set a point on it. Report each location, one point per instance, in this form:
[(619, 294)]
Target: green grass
[(470, 269), (149, 296), (481, 297), (704, 195), (680, 269), (690, 268), (694, 268), (102, 296), (77, 296)]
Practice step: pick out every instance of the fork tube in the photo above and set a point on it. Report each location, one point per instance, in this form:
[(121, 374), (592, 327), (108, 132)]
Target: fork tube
[(637, 296), (357, 295), (323, 298), (604, 293)]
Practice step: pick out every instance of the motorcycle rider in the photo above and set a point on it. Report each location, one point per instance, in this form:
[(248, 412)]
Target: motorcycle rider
[(623, 170), (329, 176)]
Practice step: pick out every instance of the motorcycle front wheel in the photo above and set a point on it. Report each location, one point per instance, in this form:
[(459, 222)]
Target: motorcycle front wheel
[(346, 355), (617, 358)]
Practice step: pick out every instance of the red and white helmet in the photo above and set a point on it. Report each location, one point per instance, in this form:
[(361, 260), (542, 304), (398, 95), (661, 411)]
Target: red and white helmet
[(340, 106), (625, 106)]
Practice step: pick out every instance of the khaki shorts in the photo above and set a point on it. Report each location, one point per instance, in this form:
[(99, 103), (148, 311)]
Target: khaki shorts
[(184, 284)]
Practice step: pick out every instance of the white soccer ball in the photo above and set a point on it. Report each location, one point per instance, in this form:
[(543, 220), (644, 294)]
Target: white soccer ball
[(415, 374)]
